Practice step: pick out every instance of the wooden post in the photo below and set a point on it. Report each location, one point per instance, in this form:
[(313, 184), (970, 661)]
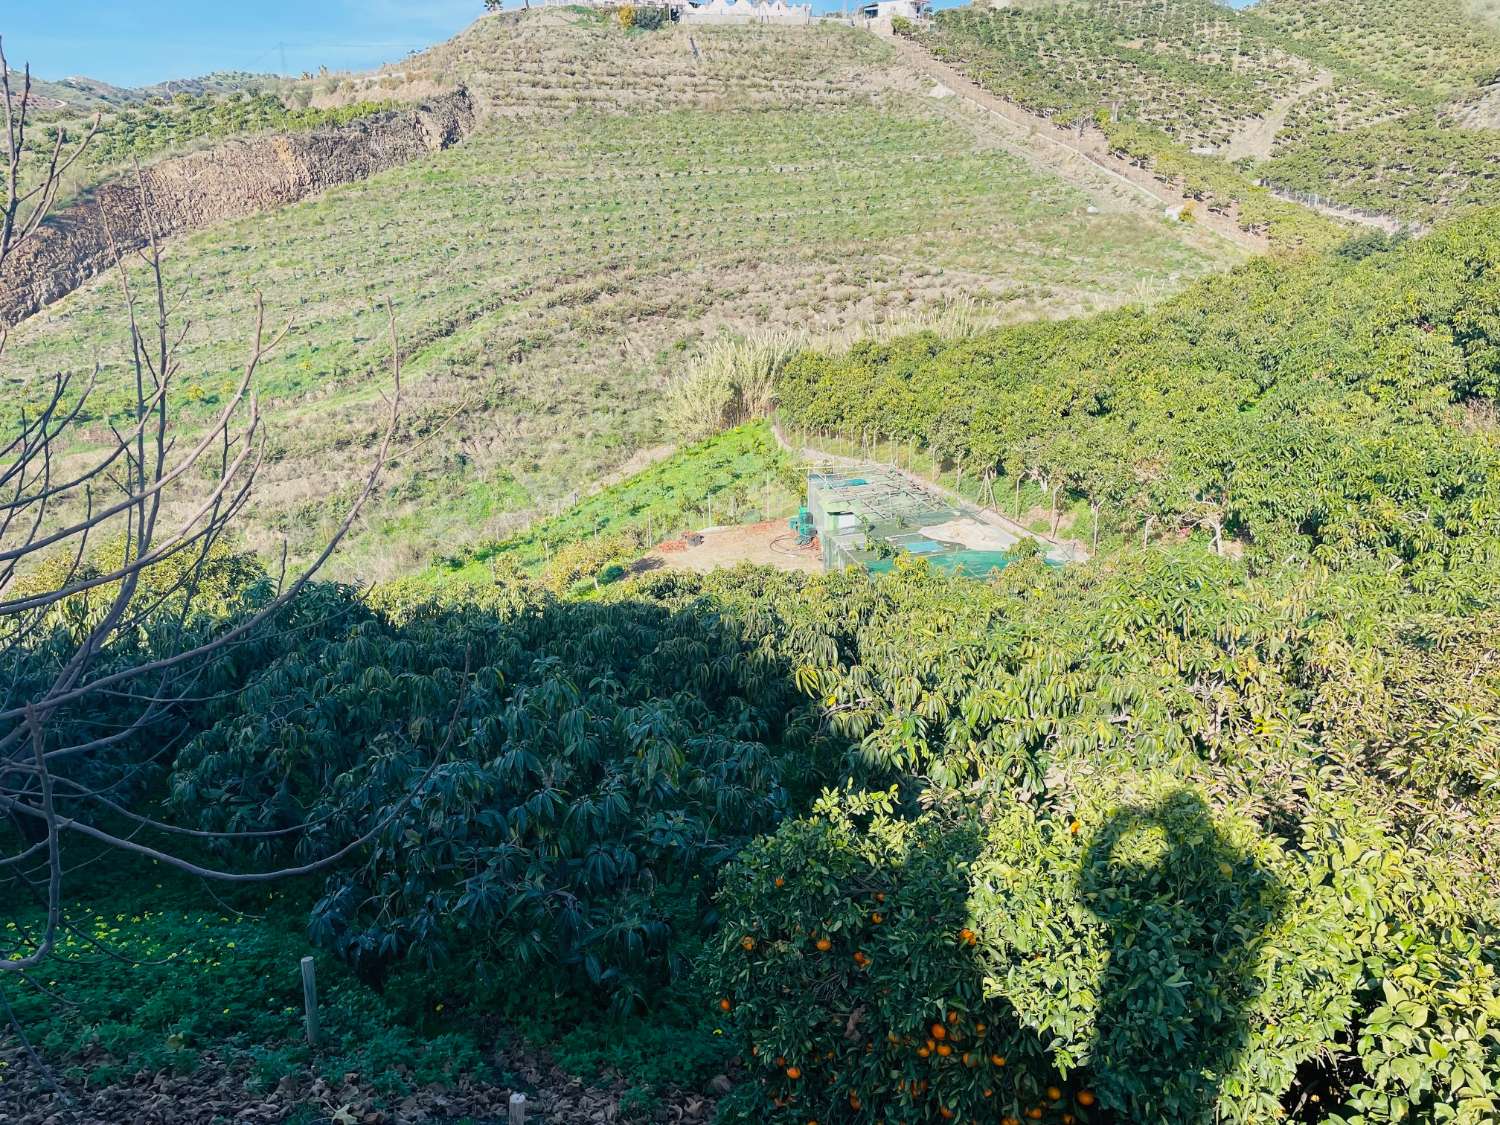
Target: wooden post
[(310, 999), (517, 1110)]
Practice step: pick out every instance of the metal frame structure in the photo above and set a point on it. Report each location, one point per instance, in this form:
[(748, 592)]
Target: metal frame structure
[(870, 515)]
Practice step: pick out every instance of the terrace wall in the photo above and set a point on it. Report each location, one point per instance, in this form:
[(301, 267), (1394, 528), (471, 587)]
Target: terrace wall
[(229, 181)]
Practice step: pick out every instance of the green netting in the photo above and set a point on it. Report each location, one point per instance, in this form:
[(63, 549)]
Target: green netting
[(871, 516)]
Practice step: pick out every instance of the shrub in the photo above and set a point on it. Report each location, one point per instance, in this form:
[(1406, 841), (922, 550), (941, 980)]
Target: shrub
[(650, 18), (606, 757), (1126, 950), (731, 382), (586, 559)]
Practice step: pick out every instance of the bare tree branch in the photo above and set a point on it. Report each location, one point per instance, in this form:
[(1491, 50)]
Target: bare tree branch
[(81, 685)]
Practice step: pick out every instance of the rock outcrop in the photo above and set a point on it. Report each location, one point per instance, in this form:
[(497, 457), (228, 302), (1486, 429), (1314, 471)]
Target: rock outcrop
[(230, 180)]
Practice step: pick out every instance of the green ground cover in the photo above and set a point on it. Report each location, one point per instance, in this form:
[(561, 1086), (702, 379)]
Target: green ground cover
[(738, 476), (168, 974)]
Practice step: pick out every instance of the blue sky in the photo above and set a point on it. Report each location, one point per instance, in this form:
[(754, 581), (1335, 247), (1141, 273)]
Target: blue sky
[(135, 42)]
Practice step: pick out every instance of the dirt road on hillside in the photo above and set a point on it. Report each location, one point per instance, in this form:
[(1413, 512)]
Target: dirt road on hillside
[(1063, 148)]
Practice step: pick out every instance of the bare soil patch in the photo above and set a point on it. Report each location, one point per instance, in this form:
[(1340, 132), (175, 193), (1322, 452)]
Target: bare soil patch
[(769, 543)]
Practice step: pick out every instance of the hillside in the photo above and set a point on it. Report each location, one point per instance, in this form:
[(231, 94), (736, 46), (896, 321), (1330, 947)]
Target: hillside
[(1235, 778), (76, 96), (907, 582), (627, 198), (1378, 108)]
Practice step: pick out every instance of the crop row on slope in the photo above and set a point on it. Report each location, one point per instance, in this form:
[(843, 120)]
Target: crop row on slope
[(1191, 68), (1435, 48), (1175, 83), (1308, 410), (1418, 167), (548, 282)]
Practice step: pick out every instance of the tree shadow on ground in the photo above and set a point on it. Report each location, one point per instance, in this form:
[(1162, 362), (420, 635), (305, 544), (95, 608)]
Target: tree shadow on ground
[(1187, 913), (975, 989)]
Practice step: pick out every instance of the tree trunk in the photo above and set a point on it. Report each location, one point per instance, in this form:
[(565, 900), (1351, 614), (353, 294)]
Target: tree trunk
[(1095, 506), (1056, 514)]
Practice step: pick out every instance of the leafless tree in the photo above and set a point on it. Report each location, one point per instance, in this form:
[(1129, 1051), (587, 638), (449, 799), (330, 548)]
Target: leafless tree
[(161, 500), (25, 207)]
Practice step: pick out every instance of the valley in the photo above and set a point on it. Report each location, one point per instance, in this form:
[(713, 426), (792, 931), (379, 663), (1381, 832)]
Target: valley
[(786, 569)]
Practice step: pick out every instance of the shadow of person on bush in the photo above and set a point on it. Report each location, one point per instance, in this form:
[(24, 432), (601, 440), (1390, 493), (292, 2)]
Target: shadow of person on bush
[(1187, 913)]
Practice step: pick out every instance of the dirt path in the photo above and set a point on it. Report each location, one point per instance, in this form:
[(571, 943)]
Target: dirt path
[(769, 543), (1068, 150), (1257, 137)]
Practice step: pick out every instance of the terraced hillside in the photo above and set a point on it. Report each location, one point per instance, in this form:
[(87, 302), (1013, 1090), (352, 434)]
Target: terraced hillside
[(1192, 68), (1382, 107), (630, 197), (1435, 50)]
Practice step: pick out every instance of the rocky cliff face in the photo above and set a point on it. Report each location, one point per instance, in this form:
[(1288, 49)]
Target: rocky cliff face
[(229, 181)]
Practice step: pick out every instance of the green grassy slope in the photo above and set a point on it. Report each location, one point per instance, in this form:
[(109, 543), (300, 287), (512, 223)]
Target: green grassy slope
[(626, 201), (740, 474)]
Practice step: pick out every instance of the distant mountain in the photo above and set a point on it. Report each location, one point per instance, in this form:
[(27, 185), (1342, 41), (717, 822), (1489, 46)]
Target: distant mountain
[(80, 94)]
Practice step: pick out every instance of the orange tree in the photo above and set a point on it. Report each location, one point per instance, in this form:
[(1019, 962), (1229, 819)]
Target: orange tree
[(1220, 845), (1128, 953)]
